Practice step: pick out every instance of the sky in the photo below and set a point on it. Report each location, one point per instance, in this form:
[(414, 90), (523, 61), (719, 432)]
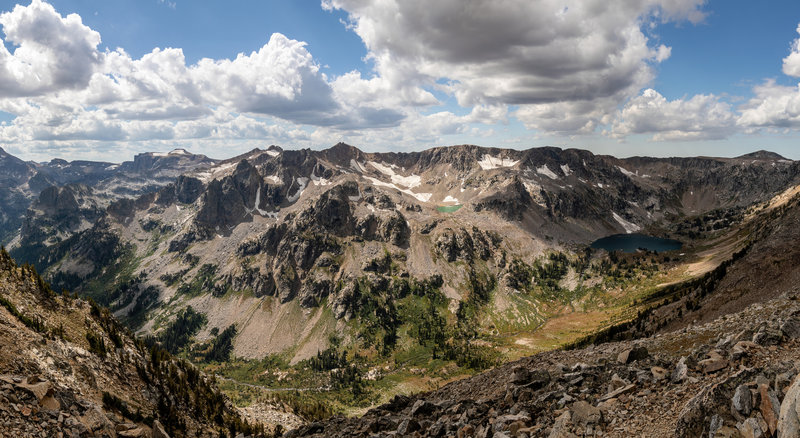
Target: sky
[(104, 80)]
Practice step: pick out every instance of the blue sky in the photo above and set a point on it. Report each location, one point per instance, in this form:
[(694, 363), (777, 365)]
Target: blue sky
[(105, 80)]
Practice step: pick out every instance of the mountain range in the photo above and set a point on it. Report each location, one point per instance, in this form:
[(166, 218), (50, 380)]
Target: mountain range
[(457, 255)]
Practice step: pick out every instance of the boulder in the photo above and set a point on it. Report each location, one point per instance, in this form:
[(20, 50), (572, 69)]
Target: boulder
[(768, 336), (742, 349), (632, 354), (681, 371), (584, 414), (750, 428), (742, 401), (422, 407), (158, 430), (714, 363), (658, 373), (791, 328), (789, 418), (770, 408)]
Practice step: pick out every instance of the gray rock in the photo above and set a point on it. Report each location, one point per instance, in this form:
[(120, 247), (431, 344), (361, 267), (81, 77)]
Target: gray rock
[(768, 336), (158, 430), (584, 414), (520, 375), (422, 407), (750, 428), (407, 426), (714, 363), (633, 354), (789, 419), (561, 426), (681, 371), (742, 400), (791, 328)]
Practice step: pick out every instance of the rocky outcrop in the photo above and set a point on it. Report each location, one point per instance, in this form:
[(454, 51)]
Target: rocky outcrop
[(69, 369), (392, 228), (467, 245), (511, 203), (228, 201)]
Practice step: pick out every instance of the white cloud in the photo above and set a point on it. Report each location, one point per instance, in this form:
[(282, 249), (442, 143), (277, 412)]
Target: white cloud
[(50, 52), (542, 55), (773, 106), (791, 63), (560, 69), (702, 117)]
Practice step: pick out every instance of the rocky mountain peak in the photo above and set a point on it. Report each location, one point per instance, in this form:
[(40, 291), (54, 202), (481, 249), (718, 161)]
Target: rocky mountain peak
[(762, 155), (342, 153)]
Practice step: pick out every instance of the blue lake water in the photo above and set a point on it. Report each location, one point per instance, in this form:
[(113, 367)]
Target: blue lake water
[(633, 242)]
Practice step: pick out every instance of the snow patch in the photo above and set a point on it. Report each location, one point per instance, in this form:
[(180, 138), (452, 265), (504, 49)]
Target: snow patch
[(302, 182), (318, 180), (258, 201), (422, 197), (544, 170), (275, 179), (626, 172), (489, 162), (179, 151), (535, 191), (629, 227), (565, 169), (272, 153), (406, 181), (357, 166), (215, 172), (356, 197), (449, 198)]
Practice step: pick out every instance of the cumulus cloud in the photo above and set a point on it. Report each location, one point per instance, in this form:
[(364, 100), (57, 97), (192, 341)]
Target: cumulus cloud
[(62, 88), (791, 63), (773, 106), (51, 52), (702, 117), (560, 68), (513, 52)]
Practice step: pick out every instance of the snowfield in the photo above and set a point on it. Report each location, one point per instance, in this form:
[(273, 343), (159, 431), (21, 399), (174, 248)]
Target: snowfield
[(489, 162), (449, 198), (422, 197), (405, 181), (302, 182), (544, 170), (628, 226)]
